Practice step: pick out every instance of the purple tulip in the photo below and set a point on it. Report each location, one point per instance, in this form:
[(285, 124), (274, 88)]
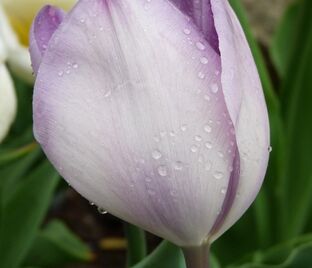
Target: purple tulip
[(153, 110)]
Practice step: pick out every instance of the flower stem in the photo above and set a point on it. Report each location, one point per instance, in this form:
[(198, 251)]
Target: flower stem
[(136, 244), (197, 257)]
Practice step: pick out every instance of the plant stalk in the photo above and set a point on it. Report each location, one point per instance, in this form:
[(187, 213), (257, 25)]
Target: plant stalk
[(197, 257)]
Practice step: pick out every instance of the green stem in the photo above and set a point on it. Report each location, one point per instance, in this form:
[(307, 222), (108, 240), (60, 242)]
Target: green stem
[(197, 257), (136, 244)]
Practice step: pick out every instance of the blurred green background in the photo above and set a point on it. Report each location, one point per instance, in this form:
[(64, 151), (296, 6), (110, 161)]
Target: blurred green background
[(44, 223)]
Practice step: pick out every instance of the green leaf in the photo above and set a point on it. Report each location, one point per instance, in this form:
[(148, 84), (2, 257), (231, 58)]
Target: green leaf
[(284, 39), (56, 246), (293, 254), (271, 194), (136, 243), (297, 110), (166, 255), (12, 172), (23, 212)]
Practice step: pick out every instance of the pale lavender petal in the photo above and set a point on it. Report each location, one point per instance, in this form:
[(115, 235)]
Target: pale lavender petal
[(245, 101), (46, 22), (201, 13), (128, 106)]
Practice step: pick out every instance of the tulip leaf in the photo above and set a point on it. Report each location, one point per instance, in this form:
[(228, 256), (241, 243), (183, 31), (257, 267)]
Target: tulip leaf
[(22, 213), (293, 254), (57, 246), (167, 255), (136, 243), (273, 180), (284, 39), (297, 110)]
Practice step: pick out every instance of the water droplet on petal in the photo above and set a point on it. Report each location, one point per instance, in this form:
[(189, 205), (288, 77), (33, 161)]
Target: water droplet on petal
[(187, 31), (200, 46), (156, 154), (207, 128), (223, 191), (204, 60), (218, 175), (178, 165), (214, 88), (194, 148), (201, 75), (162, 171), (102, 211), (208, 145), (197, 138), (183, 127), (270, 149)]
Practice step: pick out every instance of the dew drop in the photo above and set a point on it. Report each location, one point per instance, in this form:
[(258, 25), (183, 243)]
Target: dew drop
[(60, 73), (223, 191), (162, 171), (194, 148), (156, 154), (214, 88), (204, 60), (178, 165), (102, 211), (197, 138), (220, 154), (82, 20), (207, 128), (75, 66), (200, 46), (218, 175), (91, 203), (183, 128), (172, 134), (207, 98), (270, 149), (107, 94), (187, 31), (208, 145), (201, 75)]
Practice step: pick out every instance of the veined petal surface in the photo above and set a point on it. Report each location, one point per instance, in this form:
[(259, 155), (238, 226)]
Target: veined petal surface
[(128, 106), (45, 24)]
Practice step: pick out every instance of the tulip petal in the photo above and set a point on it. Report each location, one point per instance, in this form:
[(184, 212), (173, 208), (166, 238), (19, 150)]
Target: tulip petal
[(245, 101), (46, 22), (7, 101), (200, 11), (130, 113)]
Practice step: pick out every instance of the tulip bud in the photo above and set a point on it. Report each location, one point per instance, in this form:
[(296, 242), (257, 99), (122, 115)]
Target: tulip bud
[(15, 21), (7, 101), (154, 111)]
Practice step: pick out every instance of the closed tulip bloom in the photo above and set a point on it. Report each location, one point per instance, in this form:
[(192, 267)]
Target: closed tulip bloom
[(15, 20), (154, 111)]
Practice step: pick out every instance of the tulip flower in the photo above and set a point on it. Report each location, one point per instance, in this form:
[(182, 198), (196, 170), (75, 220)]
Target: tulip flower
[(7, 100), (153, 110), (15, 21)]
